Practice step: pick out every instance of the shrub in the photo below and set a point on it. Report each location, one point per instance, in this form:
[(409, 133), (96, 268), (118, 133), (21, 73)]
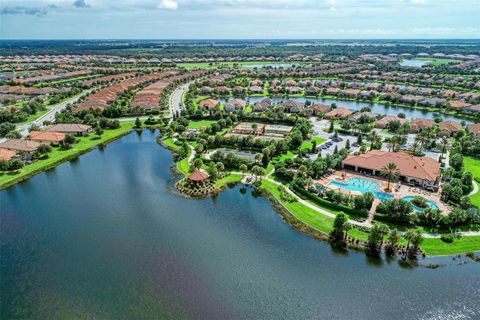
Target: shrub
[(447, 238)]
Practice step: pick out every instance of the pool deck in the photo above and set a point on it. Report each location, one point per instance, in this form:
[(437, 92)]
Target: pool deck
[(402, 191)]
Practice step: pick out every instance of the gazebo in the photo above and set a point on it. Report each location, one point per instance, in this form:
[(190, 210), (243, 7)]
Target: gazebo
[(198, 176)]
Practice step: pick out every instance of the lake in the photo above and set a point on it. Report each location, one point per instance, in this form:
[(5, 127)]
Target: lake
[(107, 237), (414, 63), (379, 108)]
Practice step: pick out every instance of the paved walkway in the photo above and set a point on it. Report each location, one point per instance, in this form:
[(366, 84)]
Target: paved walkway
[(357, 223), (475, 188)]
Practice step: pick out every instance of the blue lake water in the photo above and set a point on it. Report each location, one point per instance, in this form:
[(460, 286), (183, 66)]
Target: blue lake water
[(107, 237), (413, 63), (379, 108)]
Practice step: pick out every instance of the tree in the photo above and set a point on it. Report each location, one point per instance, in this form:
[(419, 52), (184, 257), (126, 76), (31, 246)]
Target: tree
[(340, 226), (332, 126), (258, 171), (15, 164), (138, 123), (373, 137), (197, 163), (392, 240), (391, 172), (376, 235), (456, 161), (13, 135), (213, 172), (98, 130), (220, 166), (444, 145), (414, 239), (69, 139), (243, 167)]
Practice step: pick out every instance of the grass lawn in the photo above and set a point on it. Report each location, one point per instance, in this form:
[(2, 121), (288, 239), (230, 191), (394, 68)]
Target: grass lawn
[(183, 164), (171, 144), (309, 216), (234, 177), (473, 165), (200, 124), (197, 100), (461, 245), (438, 61), (57, 156), (34, 117), (281, 158), (307, 145), (324, 224)]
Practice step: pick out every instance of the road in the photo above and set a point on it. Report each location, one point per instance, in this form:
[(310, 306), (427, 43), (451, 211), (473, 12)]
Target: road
[(176, 103), (50, 115)]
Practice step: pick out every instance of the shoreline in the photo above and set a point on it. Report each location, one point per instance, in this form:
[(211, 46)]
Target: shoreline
[(359, 237), (124, 129)]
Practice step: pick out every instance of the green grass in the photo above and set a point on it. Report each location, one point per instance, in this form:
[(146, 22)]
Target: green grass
[(473, 165), (200, 124), (49, 83), (324, 224), (234, 177), (281, 158), (171, 144), (307, 145), (183, 164), (57, 156), (461, 245), (438, 61), (307, 215), (34, 117)]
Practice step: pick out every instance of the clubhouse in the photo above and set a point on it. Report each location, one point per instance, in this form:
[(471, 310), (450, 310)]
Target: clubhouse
[(420, 171)]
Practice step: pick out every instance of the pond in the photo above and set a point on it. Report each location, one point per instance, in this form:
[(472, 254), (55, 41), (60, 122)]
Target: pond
[(414, 63), (267, 65), (107, 237), (379, 108)]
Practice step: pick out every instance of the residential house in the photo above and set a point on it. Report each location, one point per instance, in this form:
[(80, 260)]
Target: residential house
[(72, 128), (383, 123), (47, 137), (474, 128), (419, 124), (209, 104), (449, 128), (338, 113)]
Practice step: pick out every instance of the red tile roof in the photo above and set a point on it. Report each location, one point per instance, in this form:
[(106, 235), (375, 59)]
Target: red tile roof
[(424, 168)]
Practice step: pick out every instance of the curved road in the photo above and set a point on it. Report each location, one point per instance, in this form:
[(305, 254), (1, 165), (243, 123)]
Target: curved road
[(50, 115)]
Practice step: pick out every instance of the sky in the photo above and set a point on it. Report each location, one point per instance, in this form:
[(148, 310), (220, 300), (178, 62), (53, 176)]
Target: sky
[(239, 19)]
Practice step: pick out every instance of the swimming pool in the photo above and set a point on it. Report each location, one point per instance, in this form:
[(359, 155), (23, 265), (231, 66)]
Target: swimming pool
[(430, 203), (362, 185)]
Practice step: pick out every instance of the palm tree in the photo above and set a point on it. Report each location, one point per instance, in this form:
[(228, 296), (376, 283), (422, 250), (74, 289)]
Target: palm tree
[(391, 172), (444, 145), (373, 137)]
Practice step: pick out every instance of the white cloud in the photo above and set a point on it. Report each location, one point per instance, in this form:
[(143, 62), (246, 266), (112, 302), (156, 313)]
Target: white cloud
[(168, 4), (418, 1)]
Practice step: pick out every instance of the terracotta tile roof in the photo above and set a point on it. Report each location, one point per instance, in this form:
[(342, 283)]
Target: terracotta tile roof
[(68, 127), (20, 145), (450, 126), (474, 128), (6, 154), (338, 113), (424, 168), (208, 103), (46, 136), (198, 176)]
